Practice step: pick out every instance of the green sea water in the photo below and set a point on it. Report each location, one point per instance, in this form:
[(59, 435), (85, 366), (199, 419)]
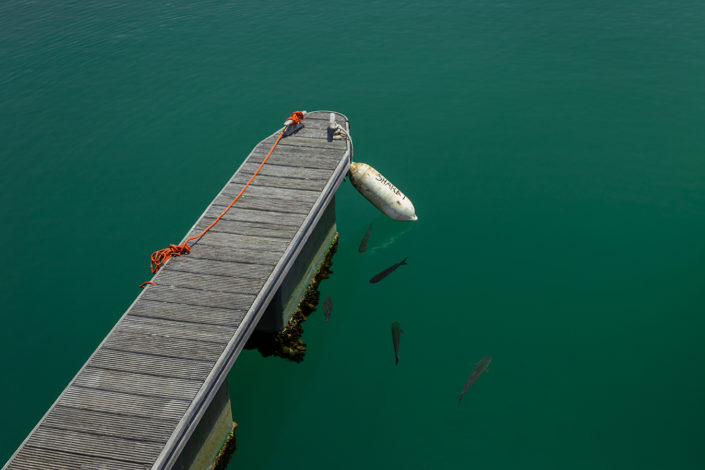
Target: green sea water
[(555, 155)]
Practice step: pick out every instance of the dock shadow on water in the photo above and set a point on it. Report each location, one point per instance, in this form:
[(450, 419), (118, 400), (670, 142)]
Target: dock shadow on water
[(287, 343)]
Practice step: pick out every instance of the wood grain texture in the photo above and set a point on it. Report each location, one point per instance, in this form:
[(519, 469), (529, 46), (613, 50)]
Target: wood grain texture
[(191, 264), (217, 282), (33, 458), (249, 228), (284, 170), (305, 140), (150, 364), (263, 214), (137, 384), (96, 445), (303, 157), (252, 242), (282, 182), (265, 205), (110, 424), (267, 193), (177, 329), (123, 403), (165, 346)]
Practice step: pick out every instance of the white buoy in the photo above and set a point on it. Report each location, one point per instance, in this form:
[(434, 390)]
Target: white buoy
[(381, 193)]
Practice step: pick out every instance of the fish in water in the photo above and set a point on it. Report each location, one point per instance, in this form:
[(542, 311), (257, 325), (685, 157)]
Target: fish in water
[(365, 239), (327, 307), (386, 272), (396, 334), (479, 369)]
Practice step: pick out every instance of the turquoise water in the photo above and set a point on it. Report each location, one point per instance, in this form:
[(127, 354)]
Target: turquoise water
[(554, 153)]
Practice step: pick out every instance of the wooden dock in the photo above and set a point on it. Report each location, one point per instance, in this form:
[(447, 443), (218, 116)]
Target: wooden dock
[(141, 396)]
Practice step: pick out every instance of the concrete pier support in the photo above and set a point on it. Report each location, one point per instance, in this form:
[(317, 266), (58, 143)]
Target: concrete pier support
[(292, 289), (210, 435)]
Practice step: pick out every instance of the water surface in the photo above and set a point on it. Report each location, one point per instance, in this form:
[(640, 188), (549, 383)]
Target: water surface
[(555, 157)]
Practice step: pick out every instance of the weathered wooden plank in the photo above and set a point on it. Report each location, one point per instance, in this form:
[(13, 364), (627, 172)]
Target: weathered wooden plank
[(33, 458), (193, 264), (247, 228), (110, 424), (187, 313), (150, 364), (309, 131), (280, 182), (95, 445), (234, 254), (198, 297), (262, 205), (123, 403), (222, 283), (239, 213), (299, 195), (164, 346), (136, 383), (287, 171), (311, 142), (296, 156), (177, 329), (232, 239)]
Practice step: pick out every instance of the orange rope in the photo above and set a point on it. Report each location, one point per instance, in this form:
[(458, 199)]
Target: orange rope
[(160, 257)]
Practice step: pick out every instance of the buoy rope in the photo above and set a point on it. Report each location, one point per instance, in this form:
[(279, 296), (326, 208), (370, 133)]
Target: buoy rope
[(160, 257)]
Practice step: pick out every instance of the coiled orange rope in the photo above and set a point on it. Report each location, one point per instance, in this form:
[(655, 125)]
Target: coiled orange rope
[(160, 257)]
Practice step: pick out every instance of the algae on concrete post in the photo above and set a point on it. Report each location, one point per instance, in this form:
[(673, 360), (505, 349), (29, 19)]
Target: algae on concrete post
[(287, 343), (211, 434), (293, 287)]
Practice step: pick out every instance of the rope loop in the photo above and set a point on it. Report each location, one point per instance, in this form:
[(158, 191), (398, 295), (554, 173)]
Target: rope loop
[(160, 257), (296, 117)]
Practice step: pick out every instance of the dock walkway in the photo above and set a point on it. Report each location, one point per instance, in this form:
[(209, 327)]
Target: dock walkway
[(139, 397)]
